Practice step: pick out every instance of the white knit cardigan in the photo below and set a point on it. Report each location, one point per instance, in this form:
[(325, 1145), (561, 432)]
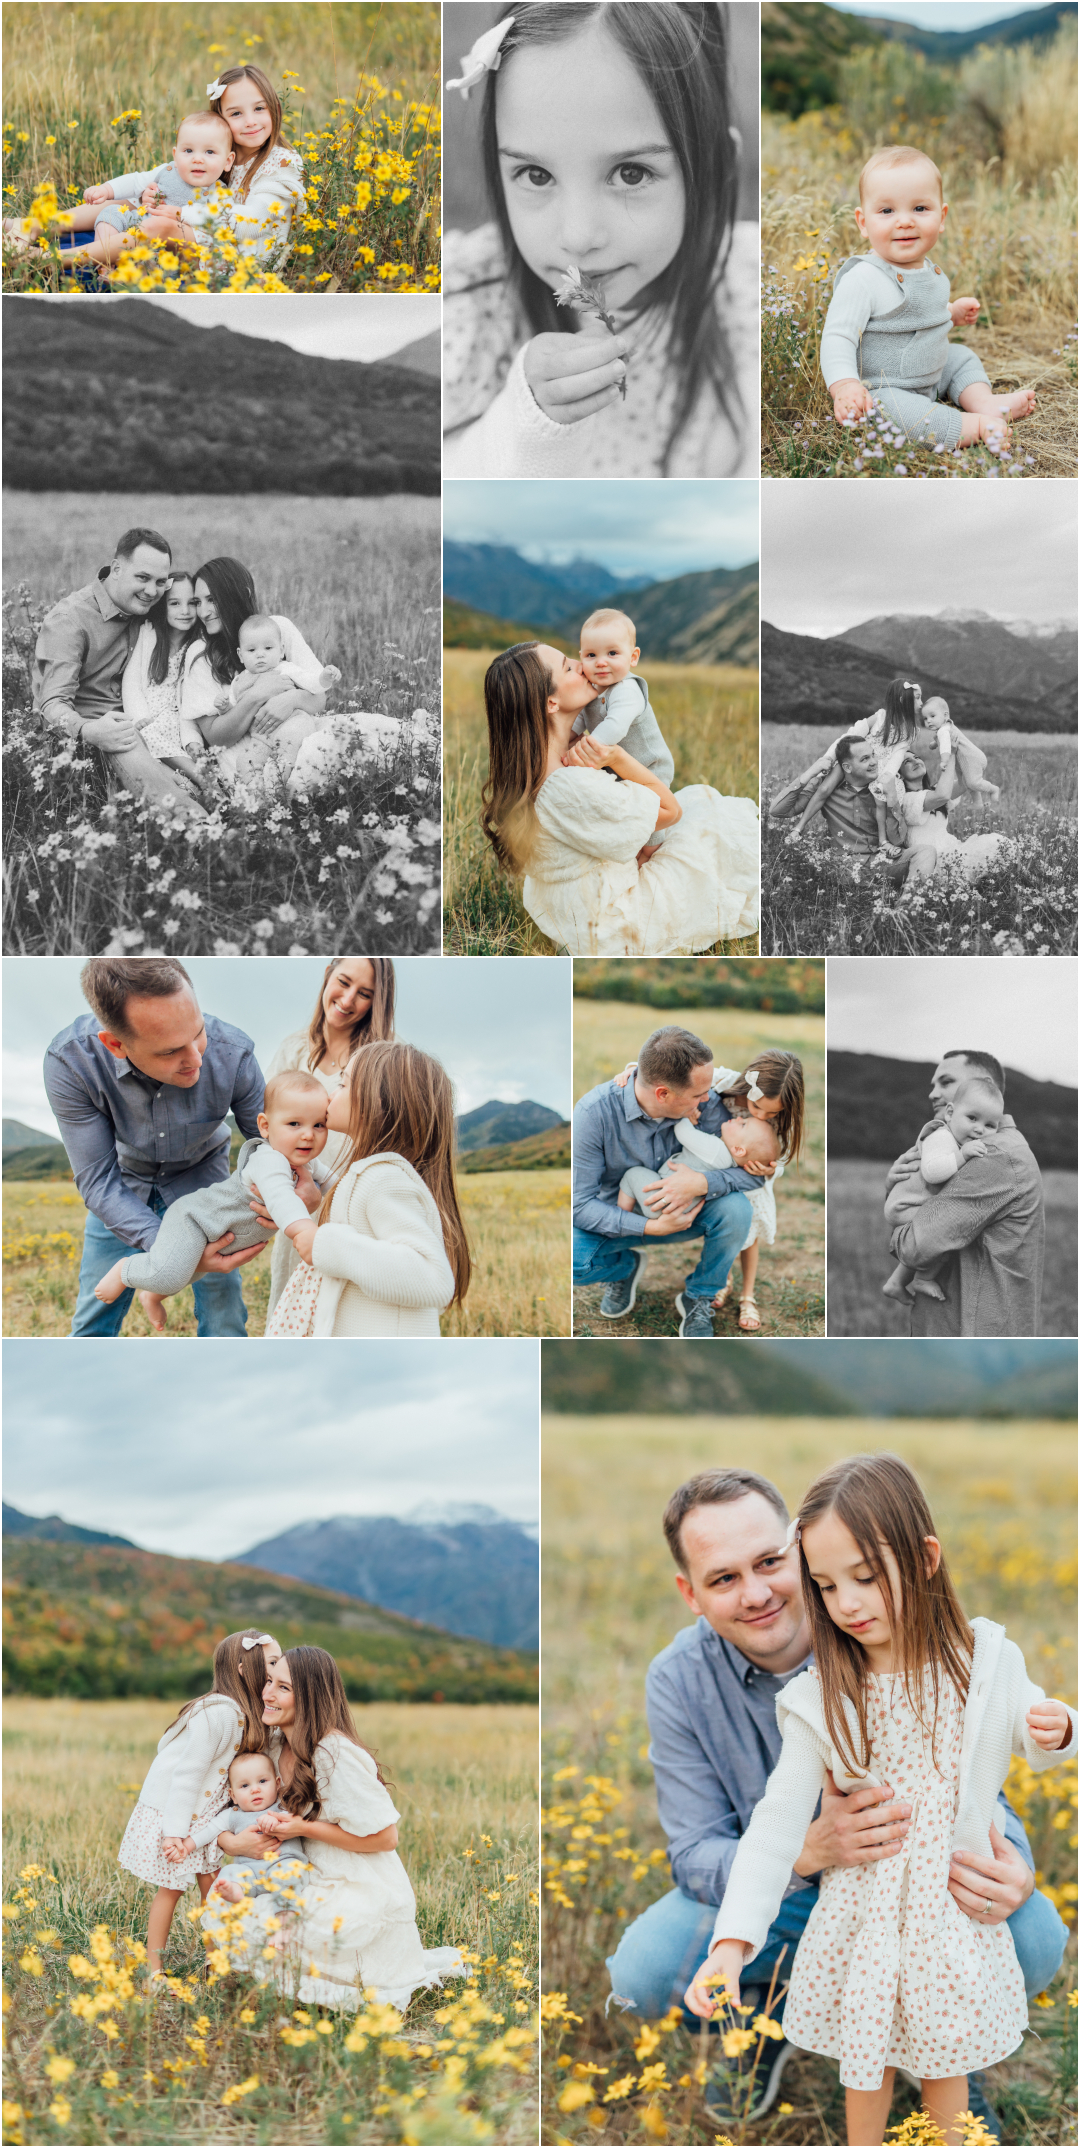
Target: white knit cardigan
[(381, 1256), (189, 1779), (999, 1696)]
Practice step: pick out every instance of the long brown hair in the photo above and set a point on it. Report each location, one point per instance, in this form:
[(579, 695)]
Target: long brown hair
[(322, 1706), (369, 1028), (266, 89), (779, 1074), (401, 1103), (881, 1501), (516, 689), (240, 1673)]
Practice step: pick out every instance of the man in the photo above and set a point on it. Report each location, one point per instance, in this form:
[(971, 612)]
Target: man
[(82, 648), (850, 814), (141, 1089), (615, 1128), (711, 1701), (987, 1225)]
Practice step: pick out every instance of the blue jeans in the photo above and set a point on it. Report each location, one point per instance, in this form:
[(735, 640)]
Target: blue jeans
[(219, 1300), (660, 1953), (723, 1224)]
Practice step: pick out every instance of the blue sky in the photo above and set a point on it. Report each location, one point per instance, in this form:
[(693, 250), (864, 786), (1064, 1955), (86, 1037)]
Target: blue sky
[(943, 14), (203, 1453), (637, 526), (501, 1028)]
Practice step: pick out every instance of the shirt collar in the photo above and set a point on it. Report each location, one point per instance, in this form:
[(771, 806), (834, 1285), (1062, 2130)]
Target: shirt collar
[(107, 605), (741, 1667), (630, 1104)]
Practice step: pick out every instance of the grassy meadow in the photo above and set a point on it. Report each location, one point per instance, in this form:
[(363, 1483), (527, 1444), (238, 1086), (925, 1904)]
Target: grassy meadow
[(790, 1288), (218, 2059), (813, 903), (89, 876), (1003, 1497), (95, 90), (709, 716), (860, 1261), (1002, 128)]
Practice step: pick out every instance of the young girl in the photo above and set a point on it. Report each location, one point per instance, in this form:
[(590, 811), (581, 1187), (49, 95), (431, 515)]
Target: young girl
[(387, 1252), (189, 1780), (904, 1691), (608, 150), (152, 684), (773, 1089)]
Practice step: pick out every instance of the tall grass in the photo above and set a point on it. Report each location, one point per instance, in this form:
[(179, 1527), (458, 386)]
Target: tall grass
[(222, 2060), (708, 714)]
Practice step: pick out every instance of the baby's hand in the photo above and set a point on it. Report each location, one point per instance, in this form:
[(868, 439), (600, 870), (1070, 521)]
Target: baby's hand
[(329, 675), (850, 400), (99, 193), (223, 701), (621, 1080), (573, 376), (582, 754), (1050, 1725), (972, 1148), (964, 309), (150, 196), (175, 1848)]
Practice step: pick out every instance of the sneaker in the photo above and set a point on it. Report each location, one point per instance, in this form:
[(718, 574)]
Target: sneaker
[(619, 1297), (695, 1316), (740, 2082)]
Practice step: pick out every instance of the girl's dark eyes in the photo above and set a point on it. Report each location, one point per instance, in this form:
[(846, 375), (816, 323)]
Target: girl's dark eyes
[(633, 174), (535, 174)]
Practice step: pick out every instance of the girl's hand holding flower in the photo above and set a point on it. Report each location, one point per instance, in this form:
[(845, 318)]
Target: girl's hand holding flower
[(571, 376), (717, 1979), (1050, 1725)]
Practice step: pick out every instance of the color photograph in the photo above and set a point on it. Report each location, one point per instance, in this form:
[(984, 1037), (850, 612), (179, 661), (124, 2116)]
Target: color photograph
[(270, 1795)]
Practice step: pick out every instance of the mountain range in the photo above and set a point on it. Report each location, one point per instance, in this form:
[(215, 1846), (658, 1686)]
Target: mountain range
[(166, 407), (833, 679), (491, 1124), (1012, 660), (802, 46), (891, 1379), (28, 1153), (547, 1151), (877, 1105), (52, 1529), (494, 596)]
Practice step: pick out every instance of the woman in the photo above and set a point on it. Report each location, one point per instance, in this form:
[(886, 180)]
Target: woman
[(153, 680), (355, 1006), (928, 837), (576, 833), (267, 714), (355, 1925), (892, 730)]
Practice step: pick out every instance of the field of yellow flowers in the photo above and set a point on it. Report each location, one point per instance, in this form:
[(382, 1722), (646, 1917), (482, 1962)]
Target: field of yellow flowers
[(95, 90), (218, 2058), (1003, 1498)]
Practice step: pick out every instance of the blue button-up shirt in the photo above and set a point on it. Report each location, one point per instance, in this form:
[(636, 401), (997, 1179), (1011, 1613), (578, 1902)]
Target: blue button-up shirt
[(611, 1132), (128, 1136)]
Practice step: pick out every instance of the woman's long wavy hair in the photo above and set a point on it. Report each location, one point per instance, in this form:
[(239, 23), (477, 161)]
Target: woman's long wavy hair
[(778, 1074), (901, 714), (680, 51), (373, 1027), (158, 618), (926, 785), (517, 686), (266, 89), (880, 1500), (233, 593), (240, 1673), (401, 1103), (322, 1706)]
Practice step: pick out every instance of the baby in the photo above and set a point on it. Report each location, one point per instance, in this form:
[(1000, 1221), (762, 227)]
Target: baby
[(178, 194), (970, 760), (886, 334), (254, 1786), (261, 651), (292, 1135), (976, 1110), (621, 714), (741, 1141)]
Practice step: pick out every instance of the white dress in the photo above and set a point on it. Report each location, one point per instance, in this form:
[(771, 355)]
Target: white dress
[(974, 855), (292, 1053), (585, 889), (355, 1924), (762, 1199), (188, 1782)]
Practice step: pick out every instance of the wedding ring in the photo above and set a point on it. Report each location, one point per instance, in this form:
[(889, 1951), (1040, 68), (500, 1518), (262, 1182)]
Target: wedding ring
[(989, 1907)]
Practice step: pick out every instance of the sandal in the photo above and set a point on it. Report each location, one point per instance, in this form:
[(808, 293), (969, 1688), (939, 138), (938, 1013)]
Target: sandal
[(749, 1317), (723, 1297)]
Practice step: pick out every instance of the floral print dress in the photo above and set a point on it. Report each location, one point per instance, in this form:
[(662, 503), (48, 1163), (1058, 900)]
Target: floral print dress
[(161, 735)]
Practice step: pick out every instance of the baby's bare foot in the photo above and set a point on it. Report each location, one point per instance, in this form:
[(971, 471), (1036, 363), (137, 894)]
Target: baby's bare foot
[(154, 1308), (1019, 405), (895, 1288), (110, 1286), (925, 1288), (228, 1889)]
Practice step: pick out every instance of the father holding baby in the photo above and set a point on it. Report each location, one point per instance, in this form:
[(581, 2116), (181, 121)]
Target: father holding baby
[(633, 1129)]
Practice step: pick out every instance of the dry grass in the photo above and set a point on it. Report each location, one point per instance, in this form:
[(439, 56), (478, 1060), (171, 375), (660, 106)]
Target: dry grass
[(464, 1779), (1003, 1498), (859, 1258), (790, 1287), (709, 716)]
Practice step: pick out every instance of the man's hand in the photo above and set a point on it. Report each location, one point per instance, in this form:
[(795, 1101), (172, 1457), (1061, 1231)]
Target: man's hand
[(1005, 1880), (679, 1189), (258, 1208), (850, 400), (667, 1226), (114, 733), (859, 1829), (216, 1261)]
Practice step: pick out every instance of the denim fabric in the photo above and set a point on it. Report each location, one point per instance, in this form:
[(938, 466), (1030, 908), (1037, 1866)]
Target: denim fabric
[(661, 1952), (722, 1224), (219, 1300)]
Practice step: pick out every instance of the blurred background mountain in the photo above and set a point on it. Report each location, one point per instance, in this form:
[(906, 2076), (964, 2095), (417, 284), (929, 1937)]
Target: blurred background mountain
[(804, 47), (876, 1107), (493, 596), (995, 674)]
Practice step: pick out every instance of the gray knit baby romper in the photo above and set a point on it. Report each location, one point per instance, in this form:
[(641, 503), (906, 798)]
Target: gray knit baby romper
[(906, 359), (644, 741), (190, 1225), (127, 215)]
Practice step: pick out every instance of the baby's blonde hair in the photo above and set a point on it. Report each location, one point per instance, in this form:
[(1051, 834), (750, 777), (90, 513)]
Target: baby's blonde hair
[(293, 1082), (979, 1084), (890, 159), (763, 1128), (196, 119), (936, 701), (259, 619), (605, 617)]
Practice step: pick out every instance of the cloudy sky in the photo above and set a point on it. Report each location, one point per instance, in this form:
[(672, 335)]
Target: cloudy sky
[(637, 526), (362, 327), (1022, 1012), (835, 554), (942, 14), (204, 1453), (501, 1028)]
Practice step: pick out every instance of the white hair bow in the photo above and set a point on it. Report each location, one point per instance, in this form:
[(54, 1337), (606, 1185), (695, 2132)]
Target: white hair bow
[(216, 89), (484, 58), (911, 686), (247, 1642), (751, 1077), (793, 1533)]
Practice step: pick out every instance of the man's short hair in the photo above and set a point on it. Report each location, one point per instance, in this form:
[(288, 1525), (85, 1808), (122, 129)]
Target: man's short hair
[(845, 746), (132, 539), (714, 1488), (891, 159), (987, 1062), (670, 1055), (108, 985)]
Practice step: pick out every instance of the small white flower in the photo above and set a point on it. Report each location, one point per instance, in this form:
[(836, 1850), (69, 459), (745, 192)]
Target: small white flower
[(286, 913), (264, 929)]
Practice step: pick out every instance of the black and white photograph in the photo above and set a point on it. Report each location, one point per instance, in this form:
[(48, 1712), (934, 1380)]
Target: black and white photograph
[(951, 1173), (221, 646), (601, 251), (919, 716)]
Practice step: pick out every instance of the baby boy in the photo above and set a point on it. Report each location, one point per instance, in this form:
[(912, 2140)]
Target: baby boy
[(741, 1142), (621, 714), (254, 1786), (158, 203), (292, 1135), (886, 334), (261, 651), (976, 1110)]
